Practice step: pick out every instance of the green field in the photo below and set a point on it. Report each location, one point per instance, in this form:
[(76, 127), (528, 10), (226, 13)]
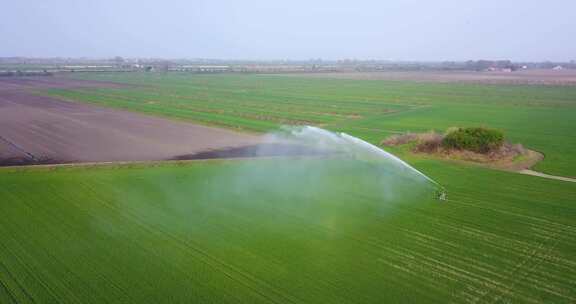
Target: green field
[(542, 118), (211, 232), (300, 230)]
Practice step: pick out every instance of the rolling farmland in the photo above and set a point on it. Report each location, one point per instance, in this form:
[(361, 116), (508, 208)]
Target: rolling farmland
[(299, 229)]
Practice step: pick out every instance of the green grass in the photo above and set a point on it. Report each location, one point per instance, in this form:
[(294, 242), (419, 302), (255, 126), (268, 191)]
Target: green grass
[(292, 231), (540, 117)]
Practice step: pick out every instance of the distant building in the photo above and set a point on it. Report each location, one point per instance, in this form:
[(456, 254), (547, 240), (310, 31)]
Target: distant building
[(499, 69)]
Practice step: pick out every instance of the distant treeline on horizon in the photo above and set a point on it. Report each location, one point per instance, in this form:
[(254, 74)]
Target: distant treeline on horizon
[(10, 66)]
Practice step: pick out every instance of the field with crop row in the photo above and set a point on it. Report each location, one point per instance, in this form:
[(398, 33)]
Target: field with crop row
[(290, 231), (300, 230), (540, 117)]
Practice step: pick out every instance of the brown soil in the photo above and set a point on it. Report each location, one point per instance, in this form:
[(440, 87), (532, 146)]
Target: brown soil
[(36, 129)]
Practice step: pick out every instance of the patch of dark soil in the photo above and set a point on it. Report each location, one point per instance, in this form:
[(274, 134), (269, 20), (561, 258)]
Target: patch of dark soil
[(27, 161), (260, 150)]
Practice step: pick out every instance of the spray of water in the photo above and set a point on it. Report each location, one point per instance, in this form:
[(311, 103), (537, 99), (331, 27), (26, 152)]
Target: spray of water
[(305, 174), (346, 145)]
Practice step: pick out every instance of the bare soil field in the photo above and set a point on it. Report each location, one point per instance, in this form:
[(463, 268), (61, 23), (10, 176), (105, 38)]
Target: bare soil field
[(531, 77), (36, 129)]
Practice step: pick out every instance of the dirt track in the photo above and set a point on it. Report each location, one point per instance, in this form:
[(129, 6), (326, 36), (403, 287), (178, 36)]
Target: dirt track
[(548, 176), (37, 129)]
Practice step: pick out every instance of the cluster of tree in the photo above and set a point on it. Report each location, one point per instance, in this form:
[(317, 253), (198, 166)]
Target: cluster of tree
[(481, 140)]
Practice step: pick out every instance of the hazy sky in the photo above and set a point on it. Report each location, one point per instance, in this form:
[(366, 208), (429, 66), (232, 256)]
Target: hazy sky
[(296, 29)]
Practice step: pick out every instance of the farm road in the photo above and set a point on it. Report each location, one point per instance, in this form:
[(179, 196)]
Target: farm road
[(548, 176)]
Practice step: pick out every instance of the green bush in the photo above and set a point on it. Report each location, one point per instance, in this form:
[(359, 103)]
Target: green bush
[(481, 140)]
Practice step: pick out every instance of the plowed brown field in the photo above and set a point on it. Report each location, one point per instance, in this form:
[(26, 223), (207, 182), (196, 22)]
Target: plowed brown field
[(39, 129)]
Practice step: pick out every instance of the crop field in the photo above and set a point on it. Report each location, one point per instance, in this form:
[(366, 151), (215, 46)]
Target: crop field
[(156, 234), (325, 229), (540, 117)]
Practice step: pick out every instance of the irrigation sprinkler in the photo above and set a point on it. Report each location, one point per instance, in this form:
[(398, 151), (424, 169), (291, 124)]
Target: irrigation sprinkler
[(441, 194)]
